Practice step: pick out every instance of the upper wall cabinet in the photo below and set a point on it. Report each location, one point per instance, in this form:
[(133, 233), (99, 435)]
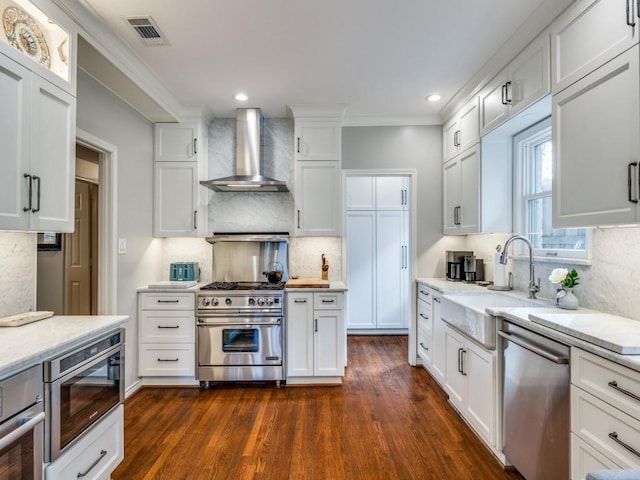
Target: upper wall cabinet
[(524, 81), (589, 34), (180, 162), (318, 139), (43, 39), (462, 131), (388, 192)]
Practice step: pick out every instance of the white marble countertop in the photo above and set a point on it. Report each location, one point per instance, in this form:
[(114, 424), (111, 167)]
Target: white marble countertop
[(336, 286), (25, 346), (448, 287)]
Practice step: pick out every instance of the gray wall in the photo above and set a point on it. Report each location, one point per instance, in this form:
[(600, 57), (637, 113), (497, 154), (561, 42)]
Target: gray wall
[(408, 147), (104, 115)]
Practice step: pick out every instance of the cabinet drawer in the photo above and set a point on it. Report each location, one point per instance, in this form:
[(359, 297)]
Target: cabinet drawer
[(613, 383), (167, 301), (331, 300), (585, 459), (424, 293), (596, 422), (165, 360), (96, 454), (157, 326)]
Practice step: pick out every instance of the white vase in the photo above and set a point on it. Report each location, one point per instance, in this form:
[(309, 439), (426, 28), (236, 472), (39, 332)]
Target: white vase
[(567, 300)]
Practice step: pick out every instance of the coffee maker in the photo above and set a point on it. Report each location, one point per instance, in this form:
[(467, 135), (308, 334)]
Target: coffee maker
[(469, 267), (455, 265)]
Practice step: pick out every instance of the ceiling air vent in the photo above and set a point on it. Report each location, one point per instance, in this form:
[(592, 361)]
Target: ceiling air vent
[(147, 30)]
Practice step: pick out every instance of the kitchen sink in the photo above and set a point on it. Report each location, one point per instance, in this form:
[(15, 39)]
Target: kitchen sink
[(467, 313)]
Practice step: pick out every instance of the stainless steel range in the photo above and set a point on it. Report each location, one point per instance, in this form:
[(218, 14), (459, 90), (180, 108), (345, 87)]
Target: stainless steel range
[(240, 317)]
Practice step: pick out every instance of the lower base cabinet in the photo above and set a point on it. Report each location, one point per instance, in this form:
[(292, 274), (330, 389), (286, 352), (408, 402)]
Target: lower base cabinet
[(315, 337), (471, 373), (95, 455), (438, 357)]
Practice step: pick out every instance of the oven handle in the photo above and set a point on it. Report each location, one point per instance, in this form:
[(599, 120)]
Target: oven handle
[(21, 430), (231, 322)]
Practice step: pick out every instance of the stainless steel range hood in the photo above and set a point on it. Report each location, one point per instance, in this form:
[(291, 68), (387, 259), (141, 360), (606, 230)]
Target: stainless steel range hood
[(248, 177)]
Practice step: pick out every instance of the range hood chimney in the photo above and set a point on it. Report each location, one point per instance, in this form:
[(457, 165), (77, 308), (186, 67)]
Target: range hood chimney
[(248, 177)]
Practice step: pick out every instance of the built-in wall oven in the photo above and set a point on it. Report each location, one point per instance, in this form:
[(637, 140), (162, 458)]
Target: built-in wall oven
[(81, 387), (21, 425)]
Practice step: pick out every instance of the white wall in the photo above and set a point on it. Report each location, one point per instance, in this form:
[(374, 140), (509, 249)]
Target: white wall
[(104, 115), (17, 272), (408, 147)]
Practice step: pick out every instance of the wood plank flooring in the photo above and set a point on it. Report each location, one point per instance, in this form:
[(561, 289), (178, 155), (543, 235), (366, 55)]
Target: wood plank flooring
[(388, 421)]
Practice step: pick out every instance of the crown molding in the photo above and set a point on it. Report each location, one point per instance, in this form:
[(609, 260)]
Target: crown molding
[(382, 121)]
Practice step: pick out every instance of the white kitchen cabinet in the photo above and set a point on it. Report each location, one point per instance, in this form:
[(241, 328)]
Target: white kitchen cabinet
[(524, 81), (318, 198), (377, 255), (180, 162), (424, 324), (315, 337), (470, 381), (576, 50), (166, 342), (605, 414), (461, 193), (462, 131), (386, 192), (318, 139), (96, 453), (438, 359), (360, 192), (38, 129), (596, 141)]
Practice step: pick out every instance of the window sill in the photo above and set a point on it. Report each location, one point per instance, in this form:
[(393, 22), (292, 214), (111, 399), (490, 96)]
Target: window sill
[(587, 262)]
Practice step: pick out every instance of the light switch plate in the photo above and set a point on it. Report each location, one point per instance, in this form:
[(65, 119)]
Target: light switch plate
[(122, 246)]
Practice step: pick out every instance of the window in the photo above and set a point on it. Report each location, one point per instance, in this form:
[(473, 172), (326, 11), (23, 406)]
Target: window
[(533, 184)]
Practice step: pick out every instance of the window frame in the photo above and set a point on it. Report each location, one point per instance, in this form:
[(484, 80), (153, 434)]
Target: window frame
[(522, 143)]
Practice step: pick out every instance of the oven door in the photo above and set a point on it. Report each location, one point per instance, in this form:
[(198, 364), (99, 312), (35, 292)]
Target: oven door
[(80, 398), (239, 344), (21, 445)]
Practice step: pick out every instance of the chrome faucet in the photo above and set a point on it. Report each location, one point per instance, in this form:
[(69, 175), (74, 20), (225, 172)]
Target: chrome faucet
[(533, 288)]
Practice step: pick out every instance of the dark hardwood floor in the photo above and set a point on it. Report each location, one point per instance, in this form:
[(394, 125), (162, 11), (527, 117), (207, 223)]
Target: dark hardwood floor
[(387, 421)]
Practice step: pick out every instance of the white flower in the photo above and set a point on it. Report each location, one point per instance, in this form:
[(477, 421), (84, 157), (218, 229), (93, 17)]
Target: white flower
[(558, 275)]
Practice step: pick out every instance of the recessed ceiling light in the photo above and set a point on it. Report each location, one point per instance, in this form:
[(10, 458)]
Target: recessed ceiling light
[(433, 98), (241, 97)]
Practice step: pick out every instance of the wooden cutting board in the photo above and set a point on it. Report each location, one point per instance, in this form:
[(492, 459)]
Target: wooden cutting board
[(307, 283)]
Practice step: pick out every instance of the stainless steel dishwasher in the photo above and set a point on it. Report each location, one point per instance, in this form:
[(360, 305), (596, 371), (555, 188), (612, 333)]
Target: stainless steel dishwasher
[(536, 386)]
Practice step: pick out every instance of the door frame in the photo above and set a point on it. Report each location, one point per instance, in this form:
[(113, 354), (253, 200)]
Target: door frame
[(412, 174), (108, 215)]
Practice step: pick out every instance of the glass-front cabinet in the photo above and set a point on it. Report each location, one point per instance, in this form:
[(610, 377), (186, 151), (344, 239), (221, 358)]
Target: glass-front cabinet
[(39, 36)]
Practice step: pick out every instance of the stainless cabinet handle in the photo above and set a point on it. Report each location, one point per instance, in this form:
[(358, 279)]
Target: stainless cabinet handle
[(28, 208), (460, 360), (328, 301), (172, 326), (630, 15), (168, 301), (298, 218), (456, 215), (436, 299), (37, 209), (504, 94), (614, 436), (424, 346), (168, 359), (298, 148), (300, 300), (615, 386), (630, 166), (86, 472), (424, 292), (195, 219), (315, 328), (508, 93), (195, 146), (423, 316)]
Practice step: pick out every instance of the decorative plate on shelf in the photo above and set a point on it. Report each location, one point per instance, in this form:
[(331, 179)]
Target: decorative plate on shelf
[(23, 33)]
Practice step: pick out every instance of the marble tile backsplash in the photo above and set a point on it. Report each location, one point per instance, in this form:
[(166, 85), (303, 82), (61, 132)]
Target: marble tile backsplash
[(17, 272)]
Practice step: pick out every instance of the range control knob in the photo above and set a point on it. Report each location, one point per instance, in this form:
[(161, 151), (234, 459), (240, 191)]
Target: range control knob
[(227, 301), (206, 301), (252, 301), (214, 302), (269, 301), (261, 301)]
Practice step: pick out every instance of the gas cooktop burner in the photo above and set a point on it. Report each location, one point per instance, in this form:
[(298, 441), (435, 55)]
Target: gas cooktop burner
[(243, 286)]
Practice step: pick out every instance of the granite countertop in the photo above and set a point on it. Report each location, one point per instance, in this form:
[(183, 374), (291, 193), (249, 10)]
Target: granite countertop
[(28, 345)]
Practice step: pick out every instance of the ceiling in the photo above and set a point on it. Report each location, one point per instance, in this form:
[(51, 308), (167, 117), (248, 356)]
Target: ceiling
[(379, 58)]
